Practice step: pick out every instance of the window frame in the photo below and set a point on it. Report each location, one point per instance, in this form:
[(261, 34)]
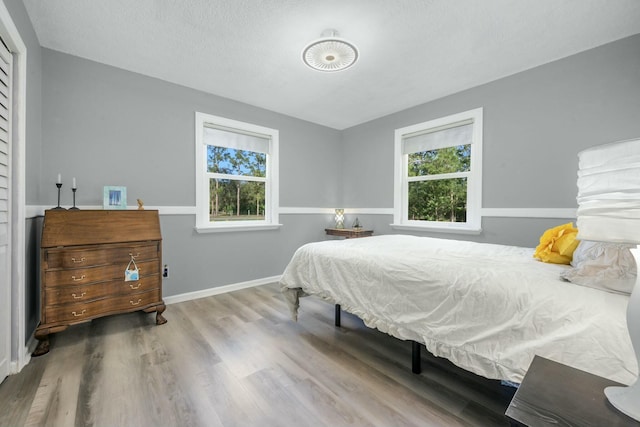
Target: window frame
[(272, 208), (473, 224)]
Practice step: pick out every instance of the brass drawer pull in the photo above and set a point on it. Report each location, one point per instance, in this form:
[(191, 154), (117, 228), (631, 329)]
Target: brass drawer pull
[(135, 303), (134, 287), (79, 297), (79, 279), (134, 256), (83, 259), (78, 315)]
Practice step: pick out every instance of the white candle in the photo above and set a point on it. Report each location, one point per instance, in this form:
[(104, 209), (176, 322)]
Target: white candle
[(59, 179), (74, 183)]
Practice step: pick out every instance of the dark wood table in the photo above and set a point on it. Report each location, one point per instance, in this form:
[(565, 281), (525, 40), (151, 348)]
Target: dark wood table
[(553, 394), (349, 233)]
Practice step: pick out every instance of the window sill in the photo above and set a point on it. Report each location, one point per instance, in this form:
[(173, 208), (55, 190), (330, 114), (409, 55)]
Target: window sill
[(235, 227), (431, 229)]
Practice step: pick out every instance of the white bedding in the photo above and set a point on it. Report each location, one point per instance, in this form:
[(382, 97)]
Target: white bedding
[(487, 308)]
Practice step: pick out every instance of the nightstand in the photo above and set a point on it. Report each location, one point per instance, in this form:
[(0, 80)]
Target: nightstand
[(553, 394), (349, 233)]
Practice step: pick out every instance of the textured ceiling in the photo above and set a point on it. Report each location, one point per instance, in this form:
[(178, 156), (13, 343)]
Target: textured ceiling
[(411, 51)]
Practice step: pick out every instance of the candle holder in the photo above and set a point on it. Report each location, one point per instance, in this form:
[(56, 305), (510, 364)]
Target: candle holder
[(74, 200), (59, 185)]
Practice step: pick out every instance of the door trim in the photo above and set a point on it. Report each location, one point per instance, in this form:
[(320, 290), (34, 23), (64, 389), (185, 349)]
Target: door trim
[(20, 355)]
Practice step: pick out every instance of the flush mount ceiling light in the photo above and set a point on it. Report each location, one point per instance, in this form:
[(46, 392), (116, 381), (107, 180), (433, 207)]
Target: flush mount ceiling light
[(330, 53)]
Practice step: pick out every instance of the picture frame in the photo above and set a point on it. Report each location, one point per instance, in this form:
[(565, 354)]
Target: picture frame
[(114, 197)]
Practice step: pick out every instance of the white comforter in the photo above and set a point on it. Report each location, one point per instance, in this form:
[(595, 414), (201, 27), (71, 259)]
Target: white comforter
[(487, 308)]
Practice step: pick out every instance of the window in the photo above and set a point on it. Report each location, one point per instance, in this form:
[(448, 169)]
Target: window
[(236, 175), (438, 174)]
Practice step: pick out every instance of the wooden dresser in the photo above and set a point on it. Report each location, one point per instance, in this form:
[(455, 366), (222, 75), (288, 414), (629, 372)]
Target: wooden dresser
[(83, 258)]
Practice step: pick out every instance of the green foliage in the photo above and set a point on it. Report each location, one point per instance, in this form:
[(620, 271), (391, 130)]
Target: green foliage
[(236, 199), (443, 160), (439, 199), (236, 162)]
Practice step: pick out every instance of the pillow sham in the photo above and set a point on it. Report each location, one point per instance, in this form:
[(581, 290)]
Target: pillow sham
[(557, 244), (607, 266)]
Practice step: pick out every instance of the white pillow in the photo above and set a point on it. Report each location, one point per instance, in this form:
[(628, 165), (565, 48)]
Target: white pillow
[(607, 266)]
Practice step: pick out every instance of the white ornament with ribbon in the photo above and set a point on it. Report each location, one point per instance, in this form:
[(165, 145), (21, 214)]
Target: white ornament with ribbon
[(131, 275)]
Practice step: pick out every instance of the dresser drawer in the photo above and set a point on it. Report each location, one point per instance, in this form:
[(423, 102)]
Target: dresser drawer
[(84, 276), (74, 294), (76, 258), (77, 312), (79, 276), (82, 257), (138, 252)]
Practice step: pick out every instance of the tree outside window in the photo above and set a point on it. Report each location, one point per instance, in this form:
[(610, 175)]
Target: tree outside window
[(239, 198), (438, 178), (236, 175), (434, 198)]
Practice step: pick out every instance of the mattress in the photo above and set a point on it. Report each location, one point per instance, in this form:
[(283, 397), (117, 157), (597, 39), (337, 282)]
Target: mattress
[(487, 308)]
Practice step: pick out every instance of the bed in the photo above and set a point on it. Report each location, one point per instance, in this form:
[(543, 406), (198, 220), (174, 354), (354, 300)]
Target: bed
[(487, 308)]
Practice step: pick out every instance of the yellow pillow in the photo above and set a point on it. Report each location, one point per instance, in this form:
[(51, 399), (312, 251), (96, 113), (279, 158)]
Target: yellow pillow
[(557, 244)]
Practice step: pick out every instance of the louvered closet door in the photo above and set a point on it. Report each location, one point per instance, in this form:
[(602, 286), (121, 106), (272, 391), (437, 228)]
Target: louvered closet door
[(5, 210)]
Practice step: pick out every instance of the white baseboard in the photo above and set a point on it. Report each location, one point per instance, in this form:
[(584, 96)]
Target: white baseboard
[(25, 357), (219, 290)]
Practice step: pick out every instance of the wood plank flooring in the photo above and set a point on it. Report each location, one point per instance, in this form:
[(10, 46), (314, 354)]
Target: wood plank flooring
[(238, 360)]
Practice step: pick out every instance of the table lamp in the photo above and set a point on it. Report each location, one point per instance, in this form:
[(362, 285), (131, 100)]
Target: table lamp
[(609, 211), (339, 218)]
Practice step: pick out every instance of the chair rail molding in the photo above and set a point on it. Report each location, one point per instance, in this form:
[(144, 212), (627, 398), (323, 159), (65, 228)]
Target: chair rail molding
[(38, 210)]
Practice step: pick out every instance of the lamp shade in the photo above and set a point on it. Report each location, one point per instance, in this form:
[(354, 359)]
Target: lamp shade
[(609, 211), (609, 192), (339, 218)]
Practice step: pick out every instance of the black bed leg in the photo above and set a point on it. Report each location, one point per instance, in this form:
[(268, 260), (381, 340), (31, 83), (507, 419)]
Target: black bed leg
[(415, 357), (337, 315)]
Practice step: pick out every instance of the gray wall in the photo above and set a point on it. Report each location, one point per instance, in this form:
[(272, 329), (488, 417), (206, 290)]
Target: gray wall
[(107, 126), (33, 233), (535, 122)]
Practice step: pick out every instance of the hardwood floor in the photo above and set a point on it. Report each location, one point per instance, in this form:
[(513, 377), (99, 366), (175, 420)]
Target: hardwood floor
[(238, 360)]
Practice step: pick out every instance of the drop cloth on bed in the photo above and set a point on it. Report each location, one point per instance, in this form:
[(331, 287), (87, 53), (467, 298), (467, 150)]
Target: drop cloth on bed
[(487, 308)]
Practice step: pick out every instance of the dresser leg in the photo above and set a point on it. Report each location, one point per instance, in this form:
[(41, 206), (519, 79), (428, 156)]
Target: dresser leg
[(42, 347), (159, 319)]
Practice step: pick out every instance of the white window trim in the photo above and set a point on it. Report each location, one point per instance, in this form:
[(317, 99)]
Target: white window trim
[(271, 221), (473, 225)]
